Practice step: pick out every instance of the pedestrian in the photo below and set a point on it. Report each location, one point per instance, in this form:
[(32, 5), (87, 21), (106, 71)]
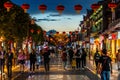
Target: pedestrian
[(118, 59), (73, 63), (64, 58), (32, 61), (78, 58), (9, 57), (38, 59), (105, 65), (84, 55), (96, 58), (2, 59), (21, 60), (46, 59), (70, 52), (14, 56)]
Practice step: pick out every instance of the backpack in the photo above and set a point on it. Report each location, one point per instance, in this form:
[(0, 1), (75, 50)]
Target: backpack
[(96, 56)]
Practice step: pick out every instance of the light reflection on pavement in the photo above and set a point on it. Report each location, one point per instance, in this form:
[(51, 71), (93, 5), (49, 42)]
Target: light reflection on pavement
[(58, 77)]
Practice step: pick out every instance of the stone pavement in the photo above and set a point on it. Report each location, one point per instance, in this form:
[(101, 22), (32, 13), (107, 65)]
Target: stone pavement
[(58, 73)]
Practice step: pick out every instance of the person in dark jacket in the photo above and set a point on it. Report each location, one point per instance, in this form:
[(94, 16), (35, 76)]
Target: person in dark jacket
[(46, 58), (32, 61), (84, 54), (70, 52), (9, 57), (106, 63), (64, 58)]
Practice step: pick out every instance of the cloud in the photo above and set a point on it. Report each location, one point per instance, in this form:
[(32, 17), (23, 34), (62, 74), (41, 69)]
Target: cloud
[(55, 15), (69, 18), (46, 19)]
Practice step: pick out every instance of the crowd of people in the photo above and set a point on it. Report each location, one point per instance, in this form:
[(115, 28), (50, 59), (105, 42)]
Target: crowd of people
[(75, 56)]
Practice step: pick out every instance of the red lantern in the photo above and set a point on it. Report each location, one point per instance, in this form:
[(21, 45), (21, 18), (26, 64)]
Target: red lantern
[(42, 8), (8, 5), (95, 6), (70, 32), (78, 8), (64, 32), (60, 8), (83, 30), (44, 32), (57, 32), (25, 7), (76, 32), (32, 30), (38, 31), (112, 6)]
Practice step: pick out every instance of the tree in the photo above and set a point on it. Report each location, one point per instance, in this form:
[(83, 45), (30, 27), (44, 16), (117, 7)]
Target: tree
[(15, 24)]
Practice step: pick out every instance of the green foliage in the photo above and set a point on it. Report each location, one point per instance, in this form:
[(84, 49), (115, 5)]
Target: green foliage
[(15, 24)]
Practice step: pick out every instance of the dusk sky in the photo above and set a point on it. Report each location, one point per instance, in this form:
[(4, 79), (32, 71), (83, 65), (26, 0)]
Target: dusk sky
[(69, 20)]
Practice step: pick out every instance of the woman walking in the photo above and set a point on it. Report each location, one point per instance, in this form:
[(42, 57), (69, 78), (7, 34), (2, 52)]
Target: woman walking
[(21, 60)]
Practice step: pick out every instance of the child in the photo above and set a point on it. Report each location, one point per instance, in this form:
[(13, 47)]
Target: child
[(73, 63)]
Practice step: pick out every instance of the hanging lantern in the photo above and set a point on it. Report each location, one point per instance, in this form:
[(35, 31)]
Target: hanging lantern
[(42, 8), (95, 7), (44, 32), (32, 30), (60, 8), (83, 30), (78, 8), (25, 7), (64, 32), (112, 6), (38, 31), (76, 32), (57, 32), (70, 32), (8, 5)]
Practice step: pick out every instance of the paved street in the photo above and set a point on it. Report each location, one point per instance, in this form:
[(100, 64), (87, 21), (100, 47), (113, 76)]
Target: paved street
[(57, 73)]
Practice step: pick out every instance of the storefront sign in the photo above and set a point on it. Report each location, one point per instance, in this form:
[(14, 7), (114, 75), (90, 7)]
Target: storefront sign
[(92, 40), (118, 36)]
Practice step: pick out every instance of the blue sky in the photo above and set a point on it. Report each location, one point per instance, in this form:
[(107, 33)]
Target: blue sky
[(67, 21)]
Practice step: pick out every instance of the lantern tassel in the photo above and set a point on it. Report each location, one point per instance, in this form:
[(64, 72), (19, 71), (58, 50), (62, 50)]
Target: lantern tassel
[(112, 10), (8, 9)]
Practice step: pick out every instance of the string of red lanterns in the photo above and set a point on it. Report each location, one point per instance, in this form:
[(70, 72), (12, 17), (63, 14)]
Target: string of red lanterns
[(60, 8), (32, 31)]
